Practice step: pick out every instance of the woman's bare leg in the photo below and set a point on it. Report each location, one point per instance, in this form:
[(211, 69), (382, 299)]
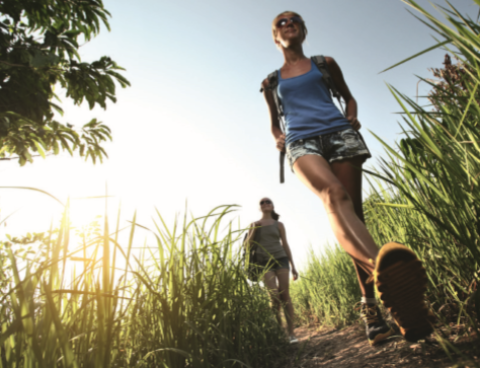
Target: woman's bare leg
[(270, 281), (350, 231), (284, 291), (349, 174)]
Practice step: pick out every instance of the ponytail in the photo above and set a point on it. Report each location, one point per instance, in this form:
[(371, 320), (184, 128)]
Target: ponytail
[(275, 215)]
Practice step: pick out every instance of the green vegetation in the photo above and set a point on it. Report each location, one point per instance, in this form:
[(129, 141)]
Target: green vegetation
[(327, 290), (427, 196), (430, 199), (184, 302), (39, 44), (95, 300)]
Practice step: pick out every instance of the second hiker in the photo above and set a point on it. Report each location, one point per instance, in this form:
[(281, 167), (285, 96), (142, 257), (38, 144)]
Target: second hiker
[(274, 255)]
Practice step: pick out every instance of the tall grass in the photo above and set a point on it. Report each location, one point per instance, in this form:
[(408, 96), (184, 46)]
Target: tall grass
[(183, 301), (327, 290), (430, 197)]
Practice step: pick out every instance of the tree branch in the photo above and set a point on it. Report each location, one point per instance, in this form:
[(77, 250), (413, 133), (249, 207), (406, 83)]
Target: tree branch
[(16, 158)]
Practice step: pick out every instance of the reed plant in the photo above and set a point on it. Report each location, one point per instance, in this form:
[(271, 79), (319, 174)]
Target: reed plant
[(183, 301), (428, 196), (327, 289)]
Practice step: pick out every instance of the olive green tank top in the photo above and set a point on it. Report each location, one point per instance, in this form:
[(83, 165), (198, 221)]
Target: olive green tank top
[(269, 243)]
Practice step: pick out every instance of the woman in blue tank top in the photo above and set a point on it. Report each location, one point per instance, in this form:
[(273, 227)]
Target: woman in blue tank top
[(326, 152)]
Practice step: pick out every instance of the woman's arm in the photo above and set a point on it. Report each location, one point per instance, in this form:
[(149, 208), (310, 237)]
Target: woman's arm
[(283, 237), (337, 76), (274, 123)]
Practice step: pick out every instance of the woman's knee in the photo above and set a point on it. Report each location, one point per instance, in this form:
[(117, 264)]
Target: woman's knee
[(335, 196)]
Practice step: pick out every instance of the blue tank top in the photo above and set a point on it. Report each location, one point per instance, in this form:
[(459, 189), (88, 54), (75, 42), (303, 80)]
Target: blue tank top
[(308, 106)]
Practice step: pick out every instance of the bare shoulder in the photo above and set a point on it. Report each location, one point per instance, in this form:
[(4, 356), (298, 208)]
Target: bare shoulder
[(334, 68), (281, 225), (330, 61), (265, 83)]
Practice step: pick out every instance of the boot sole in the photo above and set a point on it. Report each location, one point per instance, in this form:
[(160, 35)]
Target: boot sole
[(401, 282), (381, 336)]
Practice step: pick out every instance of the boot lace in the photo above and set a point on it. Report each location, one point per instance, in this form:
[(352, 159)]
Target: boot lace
[(368, 313)]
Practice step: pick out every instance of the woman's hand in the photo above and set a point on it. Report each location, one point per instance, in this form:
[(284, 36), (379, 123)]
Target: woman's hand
[(281, 143), (294, 273), (354, 122)]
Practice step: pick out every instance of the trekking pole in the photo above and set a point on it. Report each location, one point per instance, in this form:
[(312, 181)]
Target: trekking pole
[(272, 86), (339, 98), (282, 153), (341, 106)]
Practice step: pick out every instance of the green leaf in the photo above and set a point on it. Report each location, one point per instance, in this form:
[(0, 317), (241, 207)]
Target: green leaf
[(39, 148), (440, 44), (41, 60)]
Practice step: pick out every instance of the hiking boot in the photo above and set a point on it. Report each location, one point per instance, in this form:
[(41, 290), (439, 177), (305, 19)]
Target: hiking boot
[(375, 326), (401, 284)]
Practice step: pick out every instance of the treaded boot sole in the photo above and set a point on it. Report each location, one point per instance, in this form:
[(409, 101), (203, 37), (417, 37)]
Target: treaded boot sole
[(401, 283), (380, 337)]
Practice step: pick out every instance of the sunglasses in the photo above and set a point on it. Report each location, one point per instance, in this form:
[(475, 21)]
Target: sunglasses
[(284, 21), (265, 202)]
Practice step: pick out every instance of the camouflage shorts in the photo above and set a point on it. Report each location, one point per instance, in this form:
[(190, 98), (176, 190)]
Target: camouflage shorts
[(332, 147)]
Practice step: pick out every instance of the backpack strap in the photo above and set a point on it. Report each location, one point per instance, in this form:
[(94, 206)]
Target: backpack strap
[(272, 86), (321, 63)]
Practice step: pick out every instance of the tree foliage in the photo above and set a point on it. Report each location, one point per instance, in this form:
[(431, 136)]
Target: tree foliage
[(451, 87), (451, 84), (39, 49)]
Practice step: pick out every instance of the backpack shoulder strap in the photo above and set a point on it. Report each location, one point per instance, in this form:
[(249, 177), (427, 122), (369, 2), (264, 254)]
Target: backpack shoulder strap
[(272, 86), (272, 81), (321, 64)]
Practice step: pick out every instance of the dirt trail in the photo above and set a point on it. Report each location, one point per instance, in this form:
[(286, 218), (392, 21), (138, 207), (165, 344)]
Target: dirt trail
[(348, 347)]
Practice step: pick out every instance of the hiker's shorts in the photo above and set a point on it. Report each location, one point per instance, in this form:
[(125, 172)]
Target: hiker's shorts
[(335, 146), (276, 264)]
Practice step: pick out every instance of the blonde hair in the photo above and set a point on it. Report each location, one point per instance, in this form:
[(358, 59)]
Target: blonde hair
[(274, 24)]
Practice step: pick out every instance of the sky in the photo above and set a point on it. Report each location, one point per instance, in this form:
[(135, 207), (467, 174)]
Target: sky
[(193, 129)]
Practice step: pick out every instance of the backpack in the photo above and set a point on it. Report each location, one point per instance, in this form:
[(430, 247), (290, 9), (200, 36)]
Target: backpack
[(252, 267), (321, 64)]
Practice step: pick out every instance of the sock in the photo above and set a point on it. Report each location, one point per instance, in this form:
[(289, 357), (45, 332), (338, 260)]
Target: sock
[(368, 300)]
